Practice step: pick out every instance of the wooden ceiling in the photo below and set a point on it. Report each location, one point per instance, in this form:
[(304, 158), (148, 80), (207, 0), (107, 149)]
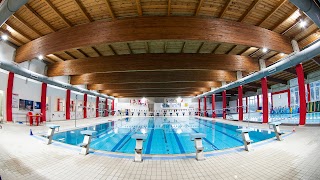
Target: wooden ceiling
[(158, 48)]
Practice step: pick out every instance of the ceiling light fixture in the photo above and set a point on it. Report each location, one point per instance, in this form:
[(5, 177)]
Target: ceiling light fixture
[(303, 23), (4, 37), (281, 54), (264, 50), (40, 57)]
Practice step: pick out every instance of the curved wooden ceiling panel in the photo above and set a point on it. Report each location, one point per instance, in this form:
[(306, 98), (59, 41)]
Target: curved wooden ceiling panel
[(168, 85), (154, 28), (154, 77), (153, 62)]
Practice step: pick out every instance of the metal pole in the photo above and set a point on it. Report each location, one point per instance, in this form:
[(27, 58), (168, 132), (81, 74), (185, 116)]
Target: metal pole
[(75, 117)]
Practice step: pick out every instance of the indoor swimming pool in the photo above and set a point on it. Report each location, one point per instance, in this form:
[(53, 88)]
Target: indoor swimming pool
[(165, 135)]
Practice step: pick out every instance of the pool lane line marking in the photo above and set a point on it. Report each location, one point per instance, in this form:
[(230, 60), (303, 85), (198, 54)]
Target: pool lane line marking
[(178, 141), (148, 149), (120, 142), (106, 154), (224, 133), (214, 147)]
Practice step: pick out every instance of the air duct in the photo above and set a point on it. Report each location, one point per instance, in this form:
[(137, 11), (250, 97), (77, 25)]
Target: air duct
[(8, 7), (285, 63), (310, 8), (38, 77)]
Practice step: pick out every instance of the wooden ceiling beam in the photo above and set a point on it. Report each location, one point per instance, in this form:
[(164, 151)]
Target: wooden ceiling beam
[(285, 19), (83, 10), (198, 51), (170, 85), (147, 47), (139, 9), (40, 18), (165, 47), (249, 10), (243, 51), (308, 34), (230, 50), (97, 51), (154, 62), (152, 28), (152, 91), (153, 77), (183, 46), (198, 8), (280, 3), (18, 31), (169, 7), (71, 55), (17, 17), (154, 95), (225, 8), (62, 17), (281, 81), (129, 48), (110, 9), (83, 53), (215, 49), (11, 36), (60, 57), (54, 58), (112, 49), (316, 60)]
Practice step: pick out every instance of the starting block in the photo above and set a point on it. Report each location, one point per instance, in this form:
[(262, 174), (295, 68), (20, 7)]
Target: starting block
[(139, 143), (246, 138), (197, 138), (86, 141), (276, 127), (50, 133)]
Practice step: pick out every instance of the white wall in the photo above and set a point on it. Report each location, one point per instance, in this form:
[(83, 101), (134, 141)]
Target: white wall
[(3, 88), (26, 89), (53, 93), (280, 100), (77, 101)]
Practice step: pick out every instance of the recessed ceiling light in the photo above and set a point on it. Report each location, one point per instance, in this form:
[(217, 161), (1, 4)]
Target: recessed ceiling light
[(264, 50), (303, 23), (4, 37), (281, 54), (40, 57)]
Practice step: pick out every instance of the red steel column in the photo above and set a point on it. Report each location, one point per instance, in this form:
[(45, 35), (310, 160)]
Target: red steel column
[(246, 104), (9, 96), (224, 104), (240, 103), (205, 106), (199, 107), (214, 106), (97, 107), (68, 104), (44, 101), (258, 102), (265, 108), (309, 95), (302, 94), (107, 108), (112, 108), (85, 98)]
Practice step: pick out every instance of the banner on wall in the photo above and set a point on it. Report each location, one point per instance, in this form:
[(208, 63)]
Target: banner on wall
[(25, 105), (172, 100), (37, 105), (138, 102), (15, 100)]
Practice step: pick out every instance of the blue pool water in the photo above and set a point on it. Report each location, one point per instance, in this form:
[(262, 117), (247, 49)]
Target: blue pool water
[(165, 135)]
